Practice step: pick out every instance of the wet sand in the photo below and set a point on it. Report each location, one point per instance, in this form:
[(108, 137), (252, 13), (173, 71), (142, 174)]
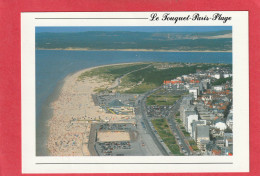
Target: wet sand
[(42, 131)]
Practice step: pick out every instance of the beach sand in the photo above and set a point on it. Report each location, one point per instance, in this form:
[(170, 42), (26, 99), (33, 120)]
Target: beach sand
[(112, 136), (73, 113)]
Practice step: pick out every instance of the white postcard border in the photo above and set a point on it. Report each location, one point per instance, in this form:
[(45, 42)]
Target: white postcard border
[(239, 161)]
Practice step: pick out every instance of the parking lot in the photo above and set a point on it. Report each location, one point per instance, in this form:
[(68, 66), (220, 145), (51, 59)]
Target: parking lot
[(127, 145), (154, 111), (104, 99), (116, 126), (113, 148)]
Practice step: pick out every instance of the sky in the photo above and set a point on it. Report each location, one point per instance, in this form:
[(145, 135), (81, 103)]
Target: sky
[(135, 29)]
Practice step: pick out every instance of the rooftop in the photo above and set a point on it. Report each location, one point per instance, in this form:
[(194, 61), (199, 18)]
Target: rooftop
[(115, 103), (203, 131)]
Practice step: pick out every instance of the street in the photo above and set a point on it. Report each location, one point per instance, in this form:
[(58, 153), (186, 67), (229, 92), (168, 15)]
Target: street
[(175, 129), (173, 126)]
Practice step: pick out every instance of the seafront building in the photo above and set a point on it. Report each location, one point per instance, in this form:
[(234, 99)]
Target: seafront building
[(206, 111), (202, 137), (189, 121)]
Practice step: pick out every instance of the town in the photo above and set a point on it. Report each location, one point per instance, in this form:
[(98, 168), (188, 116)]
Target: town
[(188, 115), (178, 109), (206, 112)]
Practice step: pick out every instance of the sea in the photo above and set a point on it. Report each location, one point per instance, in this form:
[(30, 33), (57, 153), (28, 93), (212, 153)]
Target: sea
[(52, 66)]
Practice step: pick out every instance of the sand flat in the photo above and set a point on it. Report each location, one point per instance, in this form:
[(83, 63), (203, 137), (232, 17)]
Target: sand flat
[(112, 136)]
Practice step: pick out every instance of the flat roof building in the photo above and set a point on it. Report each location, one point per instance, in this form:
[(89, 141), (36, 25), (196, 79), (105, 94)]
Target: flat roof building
[(202, 133)]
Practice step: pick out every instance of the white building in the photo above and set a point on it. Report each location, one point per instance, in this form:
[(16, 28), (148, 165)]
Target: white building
[(187, 111), (218, 88), (221, 126), (194, 91), (199, 88), (206, 97), (205, 83), (217, 76), (185, 77), (229, 121), (189, 121), (227, 75)]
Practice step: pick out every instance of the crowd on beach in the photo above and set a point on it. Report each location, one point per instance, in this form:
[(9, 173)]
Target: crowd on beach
[(73, 113)]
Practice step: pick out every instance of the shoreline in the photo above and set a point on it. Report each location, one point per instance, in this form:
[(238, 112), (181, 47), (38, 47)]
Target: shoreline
[(50, 112), (141, 50), (42, 133)]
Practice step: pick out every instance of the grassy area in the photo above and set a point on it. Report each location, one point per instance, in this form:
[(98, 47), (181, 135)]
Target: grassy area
[(152, 77), (100, 89), (186, 134), (165, 133), (145, 79), (111, 72), (142, 88), (179, 121), (193, 145), (161, 99)]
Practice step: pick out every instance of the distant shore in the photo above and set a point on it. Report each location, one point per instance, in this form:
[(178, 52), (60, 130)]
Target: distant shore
[(145, 50)]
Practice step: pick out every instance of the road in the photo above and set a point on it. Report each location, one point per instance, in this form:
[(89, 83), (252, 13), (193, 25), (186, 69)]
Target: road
[(92, 140), (147, 142), (170, 117), (174, 127), (146, 121)]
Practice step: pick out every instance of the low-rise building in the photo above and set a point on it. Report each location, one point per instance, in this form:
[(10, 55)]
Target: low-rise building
[(218, 88), (217, 76), (219, 124), (227, 75)]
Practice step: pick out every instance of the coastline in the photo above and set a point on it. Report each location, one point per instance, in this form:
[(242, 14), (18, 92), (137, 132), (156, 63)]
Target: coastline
[(42, 132), (143, 50), (60, 109)]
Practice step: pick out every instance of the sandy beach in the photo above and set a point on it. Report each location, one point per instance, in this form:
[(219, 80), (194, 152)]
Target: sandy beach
[(73, 113)]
